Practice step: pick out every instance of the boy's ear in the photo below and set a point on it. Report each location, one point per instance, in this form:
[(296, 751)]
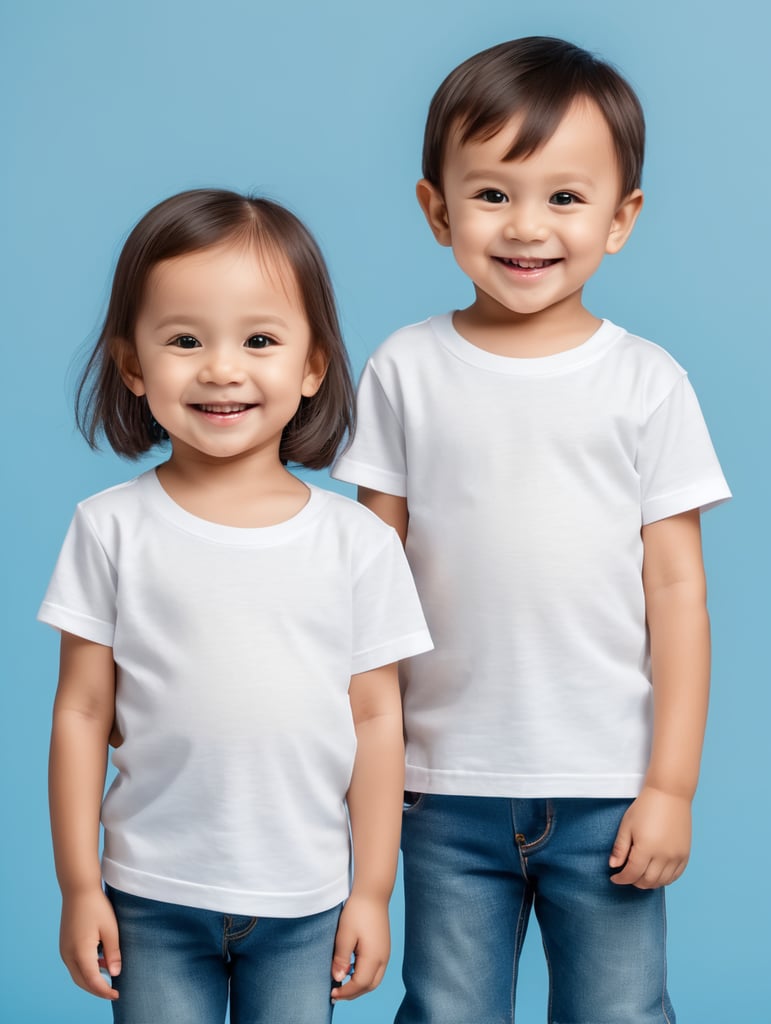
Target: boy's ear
[(315, 371), (435, 210), (624, 220), (125, 356)]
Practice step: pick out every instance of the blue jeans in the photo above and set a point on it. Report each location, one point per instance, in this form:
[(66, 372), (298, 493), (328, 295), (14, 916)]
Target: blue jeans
[(474, 867), (181, 964)]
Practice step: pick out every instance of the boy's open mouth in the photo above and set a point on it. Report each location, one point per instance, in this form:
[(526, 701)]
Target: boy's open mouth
[(522, 264)]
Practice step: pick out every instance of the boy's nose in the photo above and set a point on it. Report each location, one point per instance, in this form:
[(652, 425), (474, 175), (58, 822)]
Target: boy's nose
[(526, 223)]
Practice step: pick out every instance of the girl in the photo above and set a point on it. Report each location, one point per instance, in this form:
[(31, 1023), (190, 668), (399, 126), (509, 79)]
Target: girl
[(238, 629)]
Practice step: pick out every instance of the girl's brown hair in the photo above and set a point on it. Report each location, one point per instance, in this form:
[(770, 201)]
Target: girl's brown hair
[(189, 222)]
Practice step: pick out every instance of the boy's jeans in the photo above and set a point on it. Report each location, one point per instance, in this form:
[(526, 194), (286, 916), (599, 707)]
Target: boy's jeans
[(474, 866), (180, 964)]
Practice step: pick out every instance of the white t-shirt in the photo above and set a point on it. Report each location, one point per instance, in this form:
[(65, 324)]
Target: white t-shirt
[(527, 483), (234, 650)]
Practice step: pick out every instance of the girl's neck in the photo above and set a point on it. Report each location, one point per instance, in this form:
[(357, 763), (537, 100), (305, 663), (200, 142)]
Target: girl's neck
[(233, 493)]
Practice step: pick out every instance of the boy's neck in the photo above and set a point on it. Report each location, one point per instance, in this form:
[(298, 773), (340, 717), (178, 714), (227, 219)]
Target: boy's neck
[(233, 493), (525, 335)]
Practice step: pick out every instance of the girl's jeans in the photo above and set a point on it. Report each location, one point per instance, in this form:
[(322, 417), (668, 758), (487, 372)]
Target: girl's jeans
[(474, 867), (180, 965)]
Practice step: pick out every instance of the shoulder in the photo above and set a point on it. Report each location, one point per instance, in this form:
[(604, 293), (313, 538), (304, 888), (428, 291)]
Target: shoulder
[(121, 503), (412, 342), (647, 354), (643, 368), (119, 495), (351, 517)]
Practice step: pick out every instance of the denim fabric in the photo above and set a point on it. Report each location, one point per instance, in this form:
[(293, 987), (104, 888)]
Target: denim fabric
[(474, 867), (180, 965)]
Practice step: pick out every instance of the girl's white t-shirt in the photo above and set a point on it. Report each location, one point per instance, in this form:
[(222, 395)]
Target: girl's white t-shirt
[(234, 651), (527, 483)]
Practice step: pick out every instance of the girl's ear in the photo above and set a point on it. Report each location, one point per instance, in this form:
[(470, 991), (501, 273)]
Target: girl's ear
[(315, 371), (434, 209), (125, 357), (623, 221)]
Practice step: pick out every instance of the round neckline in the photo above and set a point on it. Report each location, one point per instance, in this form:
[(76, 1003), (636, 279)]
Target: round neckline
[(538, 366), (250, 536)]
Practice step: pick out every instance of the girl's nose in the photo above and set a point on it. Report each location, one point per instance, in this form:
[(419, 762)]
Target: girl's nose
[(221, 367)]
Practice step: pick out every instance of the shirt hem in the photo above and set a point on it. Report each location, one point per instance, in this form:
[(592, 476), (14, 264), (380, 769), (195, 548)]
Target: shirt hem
[(221, 900), (455, 783)]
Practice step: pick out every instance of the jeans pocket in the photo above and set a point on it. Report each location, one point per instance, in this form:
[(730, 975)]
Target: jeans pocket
[(412, 801)]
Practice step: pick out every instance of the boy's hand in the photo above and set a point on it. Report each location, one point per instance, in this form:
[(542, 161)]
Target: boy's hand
[(363, 935), (88, 921), (653, 841)]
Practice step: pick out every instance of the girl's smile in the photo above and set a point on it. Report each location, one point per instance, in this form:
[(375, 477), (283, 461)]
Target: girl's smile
[(223, 352)]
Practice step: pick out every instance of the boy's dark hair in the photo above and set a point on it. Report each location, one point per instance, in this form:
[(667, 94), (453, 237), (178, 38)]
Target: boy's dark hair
[(540, 76), (189, 222)]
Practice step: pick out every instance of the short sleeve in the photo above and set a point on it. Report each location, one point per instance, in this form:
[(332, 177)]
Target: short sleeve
[(388, 622), (376, 457), (676, 461), (81, 597)]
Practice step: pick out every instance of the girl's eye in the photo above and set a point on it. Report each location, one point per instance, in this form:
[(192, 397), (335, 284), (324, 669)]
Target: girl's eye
[(563, 199), (186, 341), (492, 195), (259, 341)]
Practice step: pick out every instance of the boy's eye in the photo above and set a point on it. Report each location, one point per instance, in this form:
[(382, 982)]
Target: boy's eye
[(186, 341), (259, 341), (563, 199), (491, 195)]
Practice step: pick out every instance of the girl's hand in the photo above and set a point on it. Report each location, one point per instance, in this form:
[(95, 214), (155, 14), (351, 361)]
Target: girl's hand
[(653, 841), (364, 936), (88, 922)]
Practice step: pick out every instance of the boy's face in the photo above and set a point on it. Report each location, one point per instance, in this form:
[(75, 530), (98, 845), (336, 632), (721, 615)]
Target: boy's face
[(530, 233)]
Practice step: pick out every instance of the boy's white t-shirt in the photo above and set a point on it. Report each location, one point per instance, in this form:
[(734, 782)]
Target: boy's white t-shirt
[(527, 483), (234, 650)]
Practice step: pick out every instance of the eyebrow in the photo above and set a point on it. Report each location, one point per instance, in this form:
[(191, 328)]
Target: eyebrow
[(193, 321)]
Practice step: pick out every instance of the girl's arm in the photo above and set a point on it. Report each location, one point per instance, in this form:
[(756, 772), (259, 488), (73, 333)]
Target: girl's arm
[(654, 839), (375, 807), (390, 507), (82, 720)]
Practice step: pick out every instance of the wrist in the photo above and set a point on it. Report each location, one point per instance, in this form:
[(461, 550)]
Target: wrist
[(670, 789)]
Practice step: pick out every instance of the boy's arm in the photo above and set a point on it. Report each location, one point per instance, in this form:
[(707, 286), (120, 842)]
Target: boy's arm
[(375, 808), (82, 720), (653, 842), (391, 508)]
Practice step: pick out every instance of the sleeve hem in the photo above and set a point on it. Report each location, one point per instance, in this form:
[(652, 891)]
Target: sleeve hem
[(396, 650), (79, 625), (702, 496), (352, 472)]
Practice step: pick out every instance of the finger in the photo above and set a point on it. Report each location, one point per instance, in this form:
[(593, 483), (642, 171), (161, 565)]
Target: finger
[(110, 957), (366, 976), (621, 846), (342, 957), (652, 877), (85, 973), (633, 870), (670, 872)]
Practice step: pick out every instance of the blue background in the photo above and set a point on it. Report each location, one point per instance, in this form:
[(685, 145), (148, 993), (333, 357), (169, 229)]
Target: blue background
[(107, 108)]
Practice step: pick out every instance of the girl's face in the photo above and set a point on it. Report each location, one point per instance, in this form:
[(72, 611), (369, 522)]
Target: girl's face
[(223, 352)]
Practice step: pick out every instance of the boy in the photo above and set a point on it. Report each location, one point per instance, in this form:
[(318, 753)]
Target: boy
[(546, 470)]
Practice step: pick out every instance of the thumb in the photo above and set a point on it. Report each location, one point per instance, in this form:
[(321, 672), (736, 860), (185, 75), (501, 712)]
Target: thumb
[(621, 845), (110, 950), (343, 955)]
